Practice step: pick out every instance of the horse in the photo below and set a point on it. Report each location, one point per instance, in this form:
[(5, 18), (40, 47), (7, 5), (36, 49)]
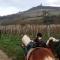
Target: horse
[(41, 54), (37, 53), (54, 45)]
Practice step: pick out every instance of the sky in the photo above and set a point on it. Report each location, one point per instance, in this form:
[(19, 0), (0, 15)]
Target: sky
[(8, 7)]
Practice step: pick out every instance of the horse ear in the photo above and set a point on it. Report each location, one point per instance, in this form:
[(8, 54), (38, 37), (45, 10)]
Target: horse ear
[(26, 40)]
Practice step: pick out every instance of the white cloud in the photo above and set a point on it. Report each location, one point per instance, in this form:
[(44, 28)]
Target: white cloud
[(20, 5), (9, 10), (12, 6), (53, 2)]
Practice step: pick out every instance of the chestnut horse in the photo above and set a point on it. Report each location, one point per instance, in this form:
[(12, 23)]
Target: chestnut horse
[(38, 53)]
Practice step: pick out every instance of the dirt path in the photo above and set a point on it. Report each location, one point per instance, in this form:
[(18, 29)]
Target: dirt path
[(3, 56)]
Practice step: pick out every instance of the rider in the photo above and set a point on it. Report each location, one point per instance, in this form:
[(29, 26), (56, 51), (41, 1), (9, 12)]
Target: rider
[(28, 44), (39, 41)]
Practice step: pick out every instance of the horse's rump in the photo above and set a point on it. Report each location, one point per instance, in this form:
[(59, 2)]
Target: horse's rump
[(41, 54)]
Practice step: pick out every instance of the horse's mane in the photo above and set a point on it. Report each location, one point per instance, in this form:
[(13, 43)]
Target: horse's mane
[(41, 54)]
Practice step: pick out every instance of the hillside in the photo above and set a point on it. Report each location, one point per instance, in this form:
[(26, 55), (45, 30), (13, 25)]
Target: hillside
[(33, 15)]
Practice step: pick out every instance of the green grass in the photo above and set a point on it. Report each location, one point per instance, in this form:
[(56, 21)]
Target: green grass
[(11, 44)]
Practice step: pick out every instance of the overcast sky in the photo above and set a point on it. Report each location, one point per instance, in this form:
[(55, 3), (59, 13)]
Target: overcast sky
[(13, 6)]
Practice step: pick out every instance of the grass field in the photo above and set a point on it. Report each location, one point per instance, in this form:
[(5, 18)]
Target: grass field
[(11, 45), (10, 37)]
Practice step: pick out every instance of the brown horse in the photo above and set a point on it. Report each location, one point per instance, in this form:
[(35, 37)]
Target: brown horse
[(40, 54)]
